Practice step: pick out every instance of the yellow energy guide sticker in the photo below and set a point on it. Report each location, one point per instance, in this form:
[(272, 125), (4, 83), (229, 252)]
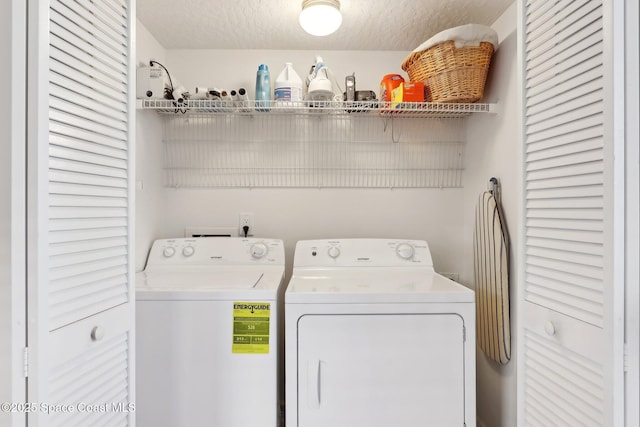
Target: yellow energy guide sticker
[(251, 327)]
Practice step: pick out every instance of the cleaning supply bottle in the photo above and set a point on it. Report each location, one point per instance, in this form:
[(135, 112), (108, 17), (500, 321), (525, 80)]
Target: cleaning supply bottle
[(288, 87), (319, 86), (243, 101), (263, 88), (388, 84)]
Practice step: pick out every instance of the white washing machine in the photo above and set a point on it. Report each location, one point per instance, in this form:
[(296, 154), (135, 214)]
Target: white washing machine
[(207, 342), (375, 337)]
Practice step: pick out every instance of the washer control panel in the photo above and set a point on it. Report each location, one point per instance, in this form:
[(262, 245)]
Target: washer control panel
[(361, 252), (207, 251)]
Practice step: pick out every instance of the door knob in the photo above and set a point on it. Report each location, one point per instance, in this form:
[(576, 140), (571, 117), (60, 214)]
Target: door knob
[(550, 328), (97, 333)]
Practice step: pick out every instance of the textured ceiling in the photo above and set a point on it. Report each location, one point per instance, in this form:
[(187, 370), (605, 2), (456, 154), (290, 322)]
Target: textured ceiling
[(273, 24)]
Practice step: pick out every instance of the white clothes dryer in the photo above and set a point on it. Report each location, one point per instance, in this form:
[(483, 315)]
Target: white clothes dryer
[(207, 343), (375, 337)]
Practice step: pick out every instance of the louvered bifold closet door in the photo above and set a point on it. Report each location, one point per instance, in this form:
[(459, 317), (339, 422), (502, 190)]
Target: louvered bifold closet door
[(88, 213), (88, 160), (563, 339)]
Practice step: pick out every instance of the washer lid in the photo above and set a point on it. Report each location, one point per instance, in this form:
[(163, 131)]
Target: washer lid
[(222, 284), (374, 285)]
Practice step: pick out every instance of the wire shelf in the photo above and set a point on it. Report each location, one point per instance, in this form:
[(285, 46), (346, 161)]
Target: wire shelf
[(348, 151), (401, 109)]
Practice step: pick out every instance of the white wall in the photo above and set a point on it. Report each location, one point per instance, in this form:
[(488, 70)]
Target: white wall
[(12, 201), (493, 150), (147, 47), (149, 193), (296, 214)]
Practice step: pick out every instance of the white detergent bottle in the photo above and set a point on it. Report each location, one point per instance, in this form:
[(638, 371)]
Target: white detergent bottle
[(288, 88)]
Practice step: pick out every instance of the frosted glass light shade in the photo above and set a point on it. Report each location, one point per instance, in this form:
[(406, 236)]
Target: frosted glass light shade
[(320, 17)]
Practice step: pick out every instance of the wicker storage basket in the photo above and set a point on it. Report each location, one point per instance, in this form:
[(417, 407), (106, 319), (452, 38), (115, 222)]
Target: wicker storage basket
[(451, 74)]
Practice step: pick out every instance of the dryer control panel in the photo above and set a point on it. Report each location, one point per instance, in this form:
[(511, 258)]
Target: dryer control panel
[(362, 253), (208, 251)]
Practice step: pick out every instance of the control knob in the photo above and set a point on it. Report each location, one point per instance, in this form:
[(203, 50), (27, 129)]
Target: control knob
[(259, 250), (334, 252), (169, 251), (188, 251), (405, 251)]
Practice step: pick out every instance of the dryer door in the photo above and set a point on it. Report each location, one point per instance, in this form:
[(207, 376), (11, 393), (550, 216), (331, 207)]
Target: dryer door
[(381, 370)]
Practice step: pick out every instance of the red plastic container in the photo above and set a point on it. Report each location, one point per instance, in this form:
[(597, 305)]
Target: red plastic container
[(388, 84)]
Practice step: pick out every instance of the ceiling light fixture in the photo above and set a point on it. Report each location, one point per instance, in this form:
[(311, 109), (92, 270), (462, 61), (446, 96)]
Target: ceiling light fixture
[(320, 17)]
